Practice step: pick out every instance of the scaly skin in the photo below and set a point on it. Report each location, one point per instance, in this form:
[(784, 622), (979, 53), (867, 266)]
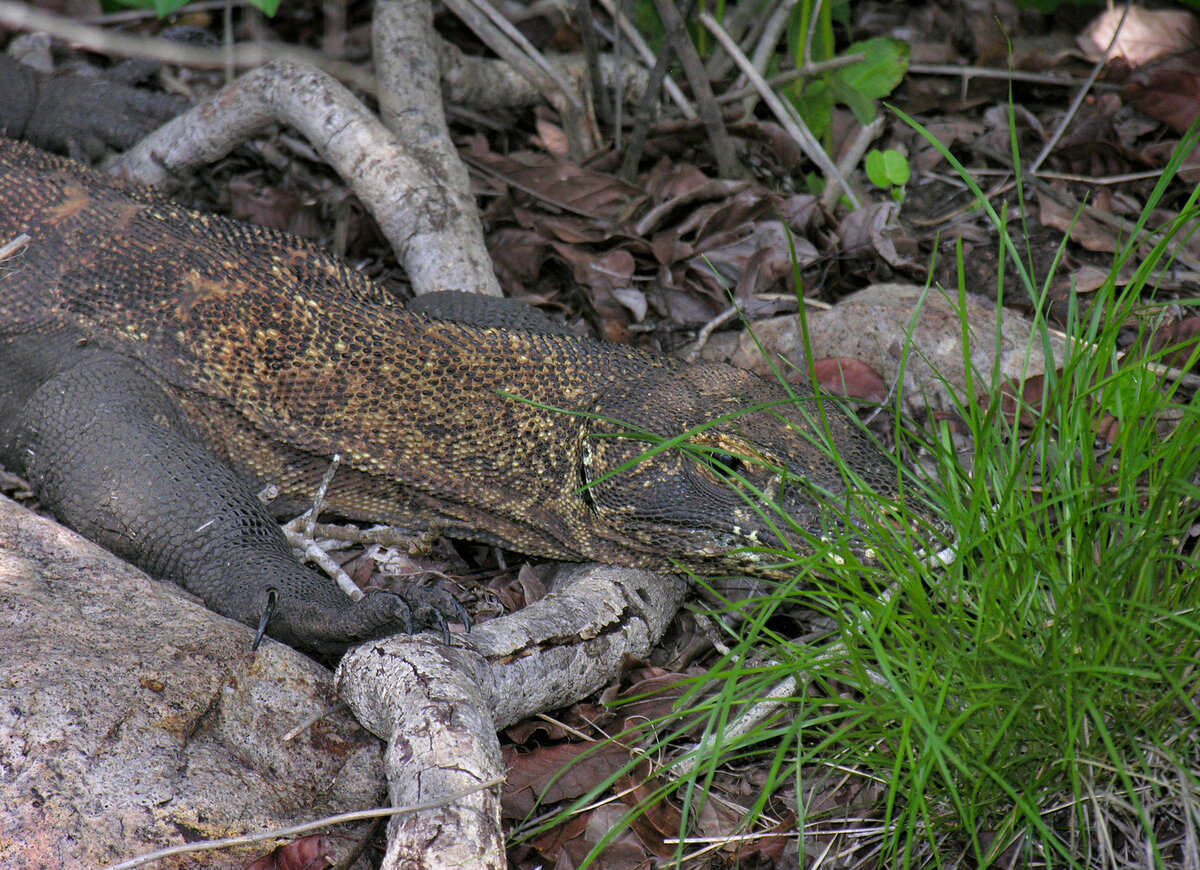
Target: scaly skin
[(273, 356)]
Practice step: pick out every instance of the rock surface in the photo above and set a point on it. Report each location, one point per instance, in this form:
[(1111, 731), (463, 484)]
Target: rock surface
[(132, 718), (895, 328)]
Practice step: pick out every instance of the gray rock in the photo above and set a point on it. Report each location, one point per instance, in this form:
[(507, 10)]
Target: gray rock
[(132, 718)]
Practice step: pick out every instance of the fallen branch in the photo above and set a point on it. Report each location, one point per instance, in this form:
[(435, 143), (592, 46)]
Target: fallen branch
[(434, 229), (439, 707)]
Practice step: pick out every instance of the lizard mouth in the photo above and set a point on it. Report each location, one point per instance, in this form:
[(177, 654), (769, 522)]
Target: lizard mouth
[(839, 532)]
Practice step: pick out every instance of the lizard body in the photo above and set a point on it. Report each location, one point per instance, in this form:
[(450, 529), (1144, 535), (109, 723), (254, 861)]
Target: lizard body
[(159, 363)]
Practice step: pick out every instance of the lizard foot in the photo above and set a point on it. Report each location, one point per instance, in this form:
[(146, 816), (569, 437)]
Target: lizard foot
[(432, 607), (322, 628)]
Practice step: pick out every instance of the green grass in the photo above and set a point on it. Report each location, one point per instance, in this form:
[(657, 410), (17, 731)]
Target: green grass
[(1037, 702), (1039, 697)]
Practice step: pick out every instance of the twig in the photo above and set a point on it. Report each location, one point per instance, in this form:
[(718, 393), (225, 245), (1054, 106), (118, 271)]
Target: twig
[(591, 51), (14, 246), (313, 553), (710, 113), (853, 154), (999, 189), (20, 16), (299, 533), (707, 330), (648, 57), (766, 45), (318, 503), (297, 830), (126, 15), (791, 75), (744, 22), (1103, 180), (814, 17), (386, 536), (767, 42), (518, 39), (988, 72), (306, 723), (541, 195), (641, 126), (510, 44), (758, 712), (791, 122), (619, 86), (1079, 96)]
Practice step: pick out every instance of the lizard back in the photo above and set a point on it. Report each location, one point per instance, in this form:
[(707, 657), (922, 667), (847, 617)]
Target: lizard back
[(281, 356)]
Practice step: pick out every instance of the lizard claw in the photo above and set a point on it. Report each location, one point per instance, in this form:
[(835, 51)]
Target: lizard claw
[(334, 622), (434, 607), (267, 614), (332, 628)]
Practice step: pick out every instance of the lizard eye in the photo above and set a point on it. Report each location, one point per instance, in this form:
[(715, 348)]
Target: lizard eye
[(725, 465)]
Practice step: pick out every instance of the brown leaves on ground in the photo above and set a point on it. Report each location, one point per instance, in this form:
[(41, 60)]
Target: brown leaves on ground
[(307, 853), (664, 254), (616, 791), (1169, 91), (1176, 345), (676, 244)]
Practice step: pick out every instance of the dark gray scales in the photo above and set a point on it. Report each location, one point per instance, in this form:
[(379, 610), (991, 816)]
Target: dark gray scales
[(162, 366)]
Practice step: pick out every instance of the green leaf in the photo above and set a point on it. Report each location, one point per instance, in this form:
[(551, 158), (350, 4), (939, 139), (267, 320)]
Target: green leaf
[(859, 103), (649, 25), (161, 7), (888, 168), (877, 76), (898, 169), (877, 169), (856, 86), (815, 105)]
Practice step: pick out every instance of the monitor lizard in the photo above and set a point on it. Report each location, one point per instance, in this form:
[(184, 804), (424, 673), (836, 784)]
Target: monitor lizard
[(160, 365)]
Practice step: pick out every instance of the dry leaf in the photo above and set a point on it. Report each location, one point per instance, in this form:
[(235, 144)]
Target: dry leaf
[(843, 376), (1083, 229), (1179, 341), (1145, 36), (1031, 392), (1169, 92), (555, 773), (552, 138), (1088, 278), (307, 853)]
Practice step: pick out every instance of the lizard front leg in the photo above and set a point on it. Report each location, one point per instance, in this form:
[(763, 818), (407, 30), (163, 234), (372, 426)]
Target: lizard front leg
[(108, 453)]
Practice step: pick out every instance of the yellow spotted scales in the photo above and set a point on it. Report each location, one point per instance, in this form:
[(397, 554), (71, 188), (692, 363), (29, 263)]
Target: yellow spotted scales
[(280, 356)]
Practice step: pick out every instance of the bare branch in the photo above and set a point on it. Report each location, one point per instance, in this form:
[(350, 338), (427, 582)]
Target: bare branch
[(434, 230)]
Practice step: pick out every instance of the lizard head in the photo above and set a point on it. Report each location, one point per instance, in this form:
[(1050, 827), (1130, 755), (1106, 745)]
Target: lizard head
[(719, 470)]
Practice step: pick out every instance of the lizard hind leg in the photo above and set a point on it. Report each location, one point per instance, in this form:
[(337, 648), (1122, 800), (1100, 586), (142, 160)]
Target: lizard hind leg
[(109, 454)]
